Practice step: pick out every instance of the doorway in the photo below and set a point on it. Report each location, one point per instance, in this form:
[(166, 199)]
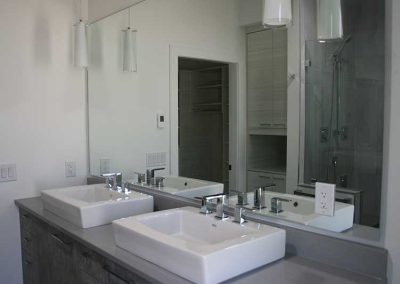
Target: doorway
[(203, 120)]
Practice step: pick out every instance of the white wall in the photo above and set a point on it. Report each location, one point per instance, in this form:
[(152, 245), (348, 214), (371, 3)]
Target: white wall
[(102, 8), (123, 106), (391, 164), (42, 111), (250, 12)]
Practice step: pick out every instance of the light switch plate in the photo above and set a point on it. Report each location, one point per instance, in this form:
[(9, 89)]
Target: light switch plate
[(325, 198), (160, 120), (8, 172), (70, 169)]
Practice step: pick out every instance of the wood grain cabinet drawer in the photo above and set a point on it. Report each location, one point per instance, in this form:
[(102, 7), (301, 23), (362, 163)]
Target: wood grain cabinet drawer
[(89, 264)]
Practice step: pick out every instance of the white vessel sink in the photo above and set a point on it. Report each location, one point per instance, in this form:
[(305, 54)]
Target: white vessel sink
[(301, 210), (199, 247), (189, 187), (94, 205)]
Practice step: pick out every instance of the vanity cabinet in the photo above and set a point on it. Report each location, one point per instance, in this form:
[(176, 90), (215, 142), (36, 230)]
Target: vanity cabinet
[(256, 179), (267, 81), (50, 256)]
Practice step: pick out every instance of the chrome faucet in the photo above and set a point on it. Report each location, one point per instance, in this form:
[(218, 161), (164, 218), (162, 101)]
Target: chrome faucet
[(259, 196), (150, 174), (141, 178), (242, 197), (112, 180), (219, 210), (276, 204)]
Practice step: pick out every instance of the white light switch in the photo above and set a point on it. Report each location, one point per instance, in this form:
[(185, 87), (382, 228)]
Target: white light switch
[(325, 198), (70, 169), (8, 172), (4, 173)]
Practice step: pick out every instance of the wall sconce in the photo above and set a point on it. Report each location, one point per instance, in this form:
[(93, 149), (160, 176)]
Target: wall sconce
[(129, 47), (277, 12), (329, 19)]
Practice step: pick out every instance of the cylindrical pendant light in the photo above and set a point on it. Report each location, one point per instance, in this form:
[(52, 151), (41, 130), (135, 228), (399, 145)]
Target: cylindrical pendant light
[(329, 19), (80, 45), (129, 60), (129, 52), (277, 12)]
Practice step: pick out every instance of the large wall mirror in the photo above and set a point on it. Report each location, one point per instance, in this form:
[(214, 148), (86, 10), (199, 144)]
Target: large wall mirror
[(227, 100)]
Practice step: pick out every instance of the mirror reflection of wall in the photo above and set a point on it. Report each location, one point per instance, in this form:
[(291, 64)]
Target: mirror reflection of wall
[(344, 99)]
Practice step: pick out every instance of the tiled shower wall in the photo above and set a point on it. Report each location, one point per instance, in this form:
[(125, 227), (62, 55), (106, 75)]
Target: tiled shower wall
[(359, 155)]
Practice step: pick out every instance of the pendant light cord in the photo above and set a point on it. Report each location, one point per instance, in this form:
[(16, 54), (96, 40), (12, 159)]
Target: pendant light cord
[(129, 17)]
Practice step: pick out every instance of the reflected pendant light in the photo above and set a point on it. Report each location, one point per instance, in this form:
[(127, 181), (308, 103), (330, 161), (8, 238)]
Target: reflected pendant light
[(329, 19), (277, 12), (129, 48), (80, 42)]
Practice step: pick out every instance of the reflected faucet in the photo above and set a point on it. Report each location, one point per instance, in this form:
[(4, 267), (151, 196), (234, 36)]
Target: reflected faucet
[(150, 174), (259, 196), (112, 180), (276, 204)]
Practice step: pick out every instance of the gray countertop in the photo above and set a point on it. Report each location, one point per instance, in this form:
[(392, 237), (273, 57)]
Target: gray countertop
[(291, 269)]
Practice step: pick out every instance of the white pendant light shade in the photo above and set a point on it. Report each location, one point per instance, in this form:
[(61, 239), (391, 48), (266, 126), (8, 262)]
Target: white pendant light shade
[(329, 19), (129, 60), (80, 45), (277, 12)]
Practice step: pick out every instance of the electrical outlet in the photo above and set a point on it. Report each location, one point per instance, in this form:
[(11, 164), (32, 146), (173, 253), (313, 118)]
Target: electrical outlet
[(325, 198), (104, 166), (70, 169)]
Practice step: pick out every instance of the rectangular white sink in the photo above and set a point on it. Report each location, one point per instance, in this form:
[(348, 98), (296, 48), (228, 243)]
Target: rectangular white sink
[(300, 209), (94, 205), (189, 187), (199, 247)]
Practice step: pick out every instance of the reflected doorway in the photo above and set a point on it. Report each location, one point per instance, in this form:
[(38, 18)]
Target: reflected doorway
[(203, 120)]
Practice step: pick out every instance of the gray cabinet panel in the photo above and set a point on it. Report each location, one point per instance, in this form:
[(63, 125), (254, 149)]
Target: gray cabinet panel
[(267, 79), (49, 256)]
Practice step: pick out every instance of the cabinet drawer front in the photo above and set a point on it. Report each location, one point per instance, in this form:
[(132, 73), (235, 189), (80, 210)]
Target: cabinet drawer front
[(89, 262)]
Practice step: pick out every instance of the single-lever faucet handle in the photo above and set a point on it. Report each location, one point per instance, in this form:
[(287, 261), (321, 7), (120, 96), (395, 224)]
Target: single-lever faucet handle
[(238, 217), (276, 204), (205, 209), (111, 180), (141, 177)]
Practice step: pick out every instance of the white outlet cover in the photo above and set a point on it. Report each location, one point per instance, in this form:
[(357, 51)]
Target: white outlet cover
[(325, 199)]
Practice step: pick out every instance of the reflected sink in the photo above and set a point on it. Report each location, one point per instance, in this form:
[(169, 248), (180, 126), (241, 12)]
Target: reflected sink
[(301, 210), (199, 247), (189, 187), (93, 205)]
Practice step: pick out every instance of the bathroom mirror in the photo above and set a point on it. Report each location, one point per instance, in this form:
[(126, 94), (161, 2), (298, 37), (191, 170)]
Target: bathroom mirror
[(315, 113)]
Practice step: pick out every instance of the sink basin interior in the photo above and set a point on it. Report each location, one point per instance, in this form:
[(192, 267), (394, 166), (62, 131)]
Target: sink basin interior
[(181, 225), (92, 194)]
